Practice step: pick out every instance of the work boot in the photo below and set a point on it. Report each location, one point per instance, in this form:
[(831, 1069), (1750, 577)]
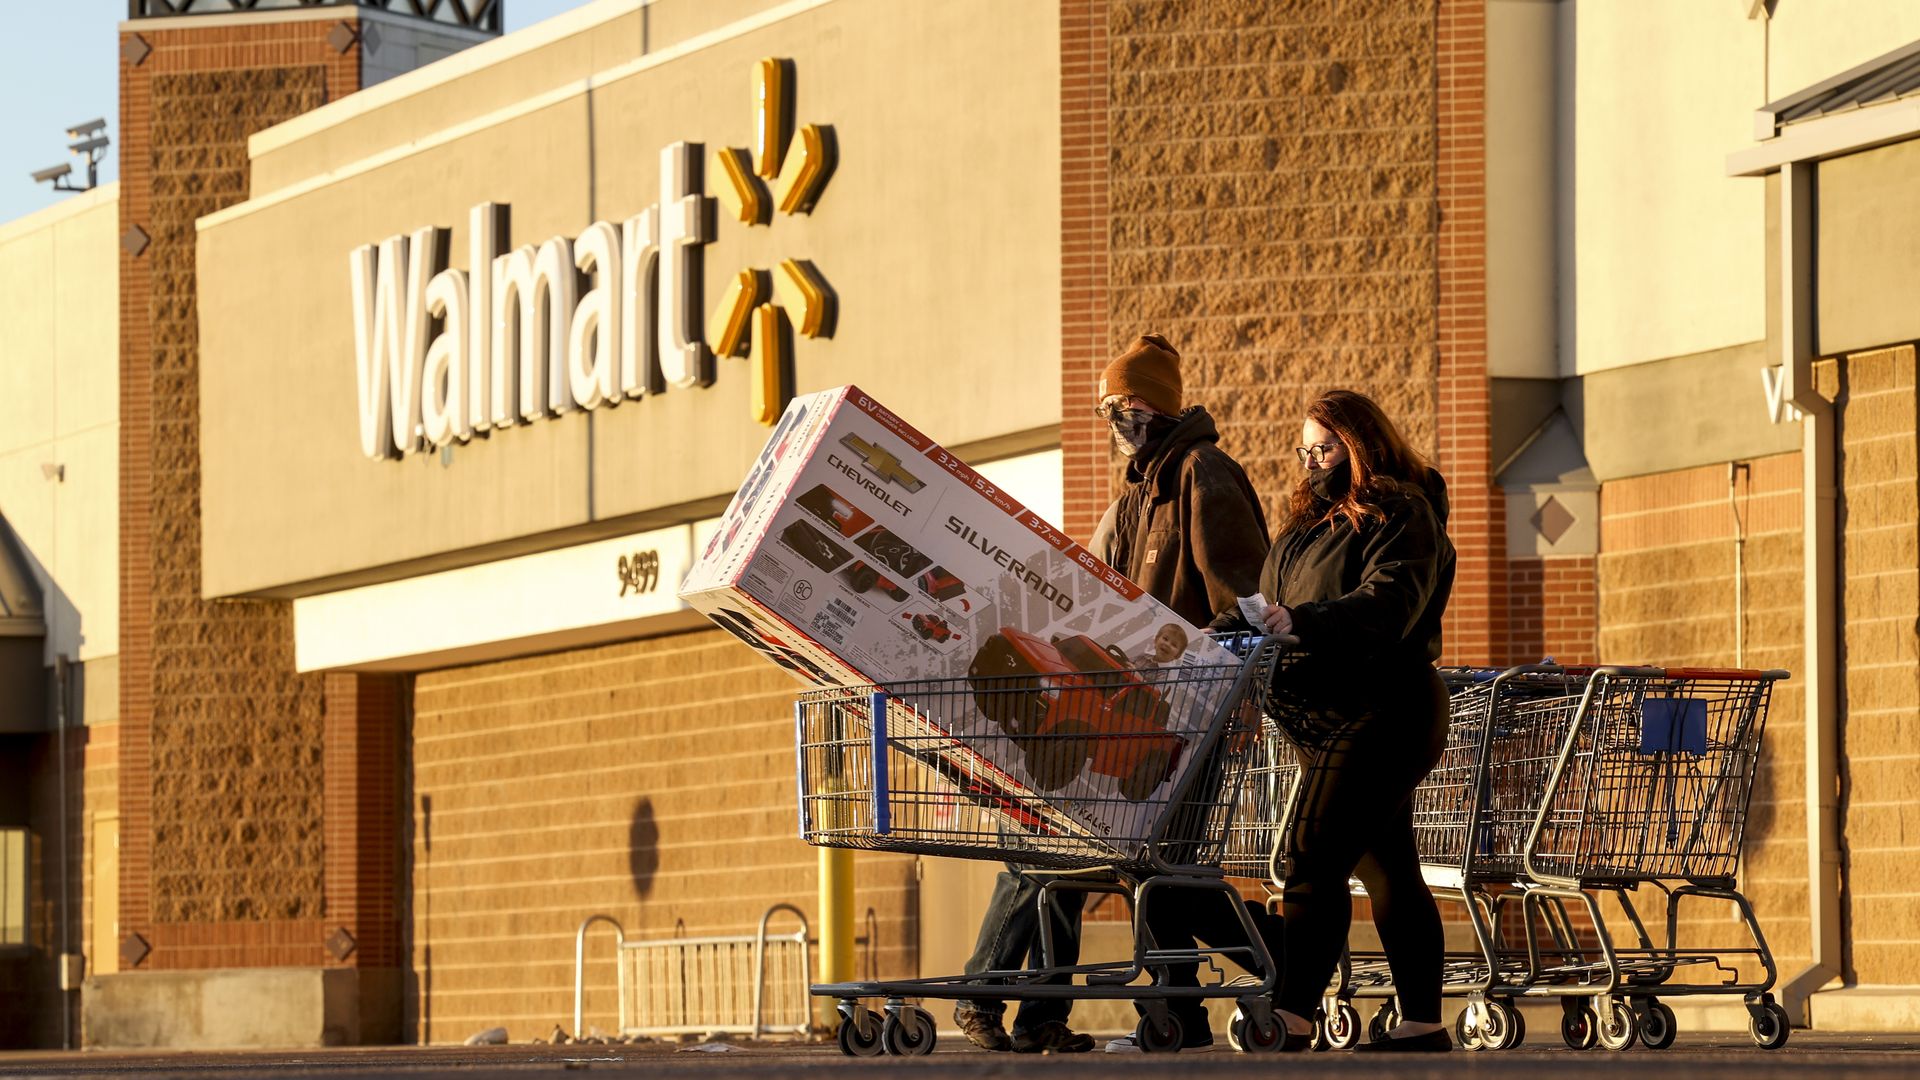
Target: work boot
[(983, 1030), (1052, 1037)]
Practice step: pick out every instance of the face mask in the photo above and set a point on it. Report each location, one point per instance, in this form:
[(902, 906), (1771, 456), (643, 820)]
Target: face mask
[(1133, 429), (1329, 484)]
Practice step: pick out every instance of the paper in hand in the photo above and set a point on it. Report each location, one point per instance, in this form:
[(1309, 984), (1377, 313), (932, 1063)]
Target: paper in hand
[(1253, 609)]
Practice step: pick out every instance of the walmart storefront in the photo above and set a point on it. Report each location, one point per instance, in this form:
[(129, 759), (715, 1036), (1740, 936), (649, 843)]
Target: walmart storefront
[(481, 353)]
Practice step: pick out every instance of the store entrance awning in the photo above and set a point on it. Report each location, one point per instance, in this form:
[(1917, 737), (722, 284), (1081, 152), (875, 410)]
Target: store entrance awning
[(23, 632)]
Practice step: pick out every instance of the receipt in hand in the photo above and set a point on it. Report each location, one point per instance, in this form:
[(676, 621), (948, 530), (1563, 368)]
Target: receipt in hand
[(1252, 608)]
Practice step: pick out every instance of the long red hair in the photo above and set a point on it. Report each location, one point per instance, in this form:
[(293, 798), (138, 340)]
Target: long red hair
[(1379, 457)]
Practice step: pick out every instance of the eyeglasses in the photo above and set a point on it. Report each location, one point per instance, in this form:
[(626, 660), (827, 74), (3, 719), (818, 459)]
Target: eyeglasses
[(1316, 454), (1117, 408)]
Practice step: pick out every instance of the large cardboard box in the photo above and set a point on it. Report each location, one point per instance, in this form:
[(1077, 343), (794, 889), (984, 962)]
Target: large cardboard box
[(859, 552)]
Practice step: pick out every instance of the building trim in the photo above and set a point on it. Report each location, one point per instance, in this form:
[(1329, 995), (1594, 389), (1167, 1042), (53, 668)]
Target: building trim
[(575, 88), (1829, 137), (501, 50), (48, 217), (341, 13)]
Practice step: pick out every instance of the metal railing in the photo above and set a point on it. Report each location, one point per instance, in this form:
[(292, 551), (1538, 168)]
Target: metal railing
[(472, 14), (751, 984)]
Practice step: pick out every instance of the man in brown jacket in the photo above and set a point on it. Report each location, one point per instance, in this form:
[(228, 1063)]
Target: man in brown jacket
[(1187, 528)]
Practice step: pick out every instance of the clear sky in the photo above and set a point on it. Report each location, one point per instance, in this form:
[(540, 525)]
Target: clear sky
[(59, 66)]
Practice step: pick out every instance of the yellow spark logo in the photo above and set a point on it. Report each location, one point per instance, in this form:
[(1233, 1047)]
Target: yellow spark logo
[(785, 171)]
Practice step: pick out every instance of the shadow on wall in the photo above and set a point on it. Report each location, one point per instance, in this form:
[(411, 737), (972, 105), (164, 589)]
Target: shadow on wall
[(643, 847)]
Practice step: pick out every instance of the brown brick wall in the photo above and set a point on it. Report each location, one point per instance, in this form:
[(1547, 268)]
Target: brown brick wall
[(651, 781), (1084, 210), (1271, 190), (1477, 625), (362, 808), (1880, 663), (1666, 597), (220, 743), (1552, 610)]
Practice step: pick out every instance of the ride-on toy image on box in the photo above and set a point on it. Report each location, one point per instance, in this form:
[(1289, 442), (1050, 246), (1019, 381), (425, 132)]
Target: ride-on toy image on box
[(1071, 702), (864, 548)]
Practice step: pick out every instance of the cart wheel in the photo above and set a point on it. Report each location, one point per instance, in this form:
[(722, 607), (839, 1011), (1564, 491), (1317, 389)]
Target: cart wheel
[(1146, 775), (1492, 1034), (1516, 1030), (1577, 1029), (1768, 1025), (1618, 1028), (1342, 1027), (908, 1032), (860, 1034), (1319, 1041), (1385, 1019), (1466, 1033), (1248, 1036), (1657, 1028), (1156, 1038)]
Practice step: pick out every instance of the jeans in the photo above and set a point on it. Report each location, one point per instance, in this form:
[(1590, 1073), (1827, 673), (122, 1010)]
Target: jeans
[(1176, 917), (1010, 941)]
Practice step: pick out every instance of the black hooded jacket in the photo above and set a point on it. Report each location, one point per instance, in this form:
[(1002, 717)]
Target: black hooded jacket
[(1370, 597)]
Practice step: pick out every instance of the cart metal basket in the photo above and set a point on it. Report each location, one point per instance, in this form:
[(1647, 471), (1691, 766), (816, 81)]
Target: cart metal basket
[(909, 767)]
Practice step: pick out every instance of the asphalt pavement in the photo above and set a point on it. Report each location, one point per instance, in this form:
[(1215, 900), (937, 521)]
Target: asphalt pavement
[(1700, 1057)]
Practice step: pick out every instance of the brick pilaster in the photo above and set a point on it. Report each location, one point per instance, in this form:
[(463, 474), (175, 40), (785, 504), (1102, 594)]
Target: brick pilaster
[(1084, 220), (1476, 627), (220, 743), (362, 792)]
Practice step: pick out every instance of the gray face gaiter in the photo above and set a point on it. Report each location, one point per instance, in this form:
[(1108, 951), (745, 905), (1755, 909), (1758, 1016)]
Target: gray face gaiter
[(1134, 430)]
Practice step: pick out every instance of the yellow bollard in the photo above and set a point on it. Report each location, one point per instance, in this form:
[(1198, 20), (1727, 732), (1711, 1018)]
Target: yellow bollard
[(836, 924)]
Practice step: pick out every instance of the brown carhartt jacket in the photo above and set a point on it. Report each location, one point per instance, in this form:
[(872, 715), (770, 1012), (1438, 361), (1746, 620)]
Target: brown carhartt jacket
[(1187, 528)]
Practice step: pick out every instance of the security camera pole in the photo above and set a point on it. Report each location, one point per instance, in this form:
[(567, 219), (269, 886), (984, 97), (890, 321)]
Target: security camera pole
[(90, 146)]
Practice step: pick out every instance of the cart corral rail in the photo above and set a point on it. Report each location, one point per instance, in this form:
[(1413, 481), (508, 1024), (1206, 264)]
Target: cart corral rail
[(748, 984)]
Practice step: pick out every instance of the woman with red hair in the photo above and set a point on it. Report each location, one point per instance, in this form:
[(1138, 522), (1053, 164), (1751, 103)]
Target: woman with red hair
[(1360, 575)]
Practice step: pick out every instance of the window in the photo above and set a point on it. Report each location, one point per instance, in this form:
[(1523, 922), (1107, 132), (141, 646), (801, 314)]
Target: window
[(13, 887)]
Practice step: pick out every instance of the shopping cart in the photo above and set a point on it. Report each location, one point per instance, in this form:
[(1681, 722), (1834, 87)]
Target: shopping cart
[(907, 767), (1650, 787), (1559, 786)]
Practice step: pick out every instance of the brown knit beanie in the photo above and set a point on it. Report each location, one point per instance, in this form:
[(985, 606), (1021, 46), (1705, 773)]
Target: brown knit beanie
[(1148, 370)]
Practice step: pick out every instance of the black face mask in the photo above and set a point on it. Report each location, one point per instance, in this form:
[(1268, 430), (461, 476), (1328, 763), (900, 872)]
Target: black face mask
[(1330, 484)]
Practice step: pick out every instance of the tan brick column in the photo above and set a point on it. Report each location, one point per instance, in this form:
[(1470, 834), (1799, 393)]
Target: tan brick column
[(1880, 597), (220, 784)]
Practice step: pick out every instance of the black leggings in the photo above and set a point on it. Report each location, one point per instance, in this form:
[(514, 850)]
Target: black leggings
[(1355, 816)]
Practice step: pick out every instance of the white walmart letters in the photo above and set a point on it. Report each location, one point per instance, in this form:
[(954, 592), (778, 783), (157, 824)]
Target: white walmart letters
[(510, 342)]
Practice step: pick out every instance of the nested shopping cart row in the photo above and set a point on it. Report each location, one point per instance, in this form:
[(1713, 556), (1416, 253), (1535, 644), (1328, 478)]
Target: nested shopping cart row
[(1560, 788)]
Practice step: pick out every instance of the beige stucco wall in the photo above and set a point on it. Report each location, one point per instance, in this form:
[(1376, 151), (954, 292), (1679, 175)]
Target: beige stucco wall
[(1667, 253), (1666, 256), (1522, 72), (939, 232), (60, 351), (1811, 42)]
